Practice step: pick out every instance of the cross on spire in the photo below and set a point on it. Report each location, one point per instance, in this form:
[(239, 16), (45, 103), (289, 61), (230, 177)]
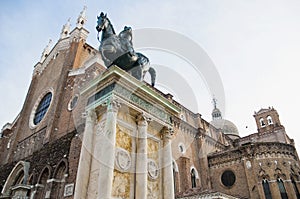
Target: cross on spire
[(214, 101)]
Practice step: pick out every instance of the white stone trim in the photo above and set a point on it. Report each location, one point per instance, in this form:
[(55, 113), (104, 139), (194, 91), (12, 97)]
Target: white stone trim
[(39, 185), (175, 166), (86, 65), (37, 102), (21, 166), (54, 180), (70, 101), (69, 189)]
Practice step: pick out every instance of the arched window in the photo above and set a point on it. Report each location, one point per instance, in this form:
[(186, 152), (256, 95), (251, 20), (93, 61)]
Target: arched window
[(193, 178), (269, 119), (42, 183), (19, 178), (58, 185), (31, 179), (295, 188), (18, 175), (282, 189), (266, 188), (262, 122)]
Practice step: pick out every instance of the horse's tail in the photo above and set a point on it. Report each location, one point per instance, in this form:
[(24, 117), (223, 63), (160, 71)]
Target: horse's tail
[(153, 75)]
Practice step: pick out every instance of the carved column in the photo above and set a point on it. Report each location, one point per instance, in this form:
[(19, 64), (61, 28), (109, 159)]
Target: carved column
[(107, 154), (168, 181), (141, 159), (85, 157)]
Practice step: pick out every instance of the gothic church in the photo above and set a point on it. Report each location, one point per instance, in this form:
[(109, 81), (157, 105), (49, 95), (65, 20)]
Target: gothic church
[(89, 132)]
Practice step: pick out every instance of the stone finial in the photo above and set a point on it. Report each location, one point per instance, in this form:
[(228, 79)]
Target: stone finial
[(46, 51), (65, 32), (81, 18)]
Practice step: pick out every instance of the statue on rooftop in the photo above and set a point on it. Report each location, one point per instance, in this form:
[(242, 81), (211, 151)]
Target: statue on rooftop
[(118, 50)]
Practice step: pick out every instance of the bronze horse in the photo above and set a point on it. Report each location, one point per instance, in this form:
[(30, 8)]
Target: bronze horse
[(118, 50)]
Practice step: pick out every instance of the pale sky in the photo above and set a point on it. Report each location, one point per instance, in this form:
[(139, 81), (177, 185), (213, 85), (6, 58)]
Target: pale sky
[(254, 45)]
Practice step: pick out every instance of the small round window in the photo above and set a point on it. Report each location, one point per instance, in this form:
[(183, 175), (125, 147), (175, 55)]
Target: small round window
[(42, 108), (228, 178), (73, 103)]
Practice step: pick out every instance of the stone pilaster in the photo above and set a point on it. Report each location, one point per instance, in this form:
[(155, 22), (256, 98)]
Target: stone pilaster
[(83, 172), (274, 189), (168, 181), (141, 158), (107, 154)]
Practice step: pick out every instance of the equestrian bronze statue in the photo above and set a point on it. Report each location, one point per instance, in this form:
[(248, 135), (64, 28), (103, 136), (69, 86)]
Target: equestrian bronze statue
[(118, 50)]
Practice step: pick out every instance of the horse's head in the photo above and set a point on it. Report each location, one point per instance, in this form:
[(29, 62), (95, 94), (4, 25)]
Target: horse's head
[(102, 22)]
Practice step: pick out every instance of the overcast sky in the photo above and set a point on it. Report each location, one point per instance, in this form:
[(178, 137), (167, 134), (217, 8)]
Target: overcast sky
[(254, 45)]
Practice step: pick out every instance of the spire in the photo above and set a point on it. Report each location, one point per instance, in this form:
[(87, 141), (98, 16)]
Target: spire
[(81, 18), (65, 30), (46, 51), (216, 113)]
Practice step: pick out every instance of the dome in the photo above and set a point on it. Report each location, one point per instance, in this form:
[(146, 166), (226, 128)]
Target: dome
[(226, 126)]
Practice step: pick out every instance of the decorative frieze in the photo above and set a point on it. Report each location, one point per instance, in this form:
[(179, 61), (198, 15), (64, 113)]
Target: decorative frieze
[(130, 96)]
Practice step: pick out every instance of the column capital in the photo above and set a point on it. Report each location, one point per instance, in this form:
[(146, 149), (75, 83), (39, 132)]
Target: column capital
[(113, 104), (167, 133), (91, 115), (142, 119)]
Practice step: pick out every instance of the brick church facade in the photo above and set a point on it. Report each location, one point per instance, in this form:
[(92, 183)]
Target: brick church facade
[(89, 132)]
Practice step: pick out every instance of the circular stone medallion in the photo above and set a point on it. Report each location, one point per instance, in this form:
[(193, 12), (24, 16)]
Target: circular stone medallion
[(152, 169), (122, 160)]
